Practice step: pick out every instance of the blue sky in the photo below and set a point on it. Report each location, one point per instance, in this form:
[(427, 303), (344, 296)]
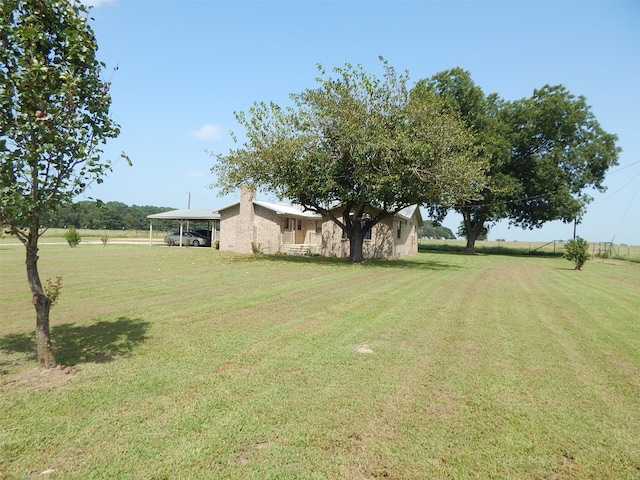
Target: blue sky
[(184, 67)]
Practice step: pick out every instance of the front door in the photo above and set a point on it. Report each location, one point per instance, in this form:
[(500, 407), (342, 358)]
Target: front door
[(299, 235), (289, 230)]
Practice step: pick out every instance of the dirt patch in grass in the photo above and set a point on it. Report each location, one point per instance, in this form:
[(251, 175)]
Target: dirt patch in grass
[(364, 348), (40, 379)]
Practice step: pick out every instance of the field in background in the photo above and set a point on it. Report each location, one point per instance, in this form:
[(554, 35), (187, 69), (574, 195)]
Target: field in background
[(57, 235), (598, 249), (196, 363), (554, 247)]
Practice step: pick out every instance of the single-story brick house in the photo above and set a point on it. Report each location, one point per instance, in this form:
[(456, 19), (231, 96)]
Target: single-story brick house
[(269, 227)]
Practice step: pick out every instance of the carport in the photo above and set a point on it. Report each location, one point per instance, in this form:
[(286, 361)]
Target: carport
[(188, 215)]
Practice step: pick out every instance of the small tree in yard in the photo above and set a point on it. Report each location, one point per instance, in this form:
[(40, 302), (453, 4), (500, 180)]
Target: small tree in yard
[(72, 237), (577, 251), (54, 115)]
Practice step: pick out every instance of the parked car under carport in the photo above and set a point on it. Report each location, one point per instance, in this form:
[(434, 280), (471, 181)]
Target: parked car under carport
[(211, 217), (189, 239)]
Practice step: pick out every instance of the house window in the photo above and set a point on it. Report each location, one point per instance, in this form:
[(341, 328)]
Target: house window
[(367, 234), (399, 229), (290, 224), (319, 227), (299, 224)]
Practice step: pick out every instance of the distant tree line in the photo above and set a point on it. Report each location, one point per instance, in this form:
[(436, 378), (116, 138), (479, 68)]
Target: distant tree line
[(434, 230), (97, 215)]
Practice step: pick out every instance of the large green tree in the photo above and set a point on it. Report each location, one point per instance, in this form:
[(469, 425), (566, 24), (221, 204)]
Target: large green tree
[(364, 143), (543, 153), (434, 230), (54, 117)]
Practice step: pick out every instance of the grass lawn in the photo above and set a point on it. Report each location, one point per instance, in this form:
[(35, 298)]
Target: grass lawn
[(195, 363)]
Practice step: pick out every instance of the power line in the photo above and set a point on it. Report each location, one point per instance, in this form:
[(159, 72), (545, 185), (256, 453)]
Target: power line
[(626, 211), (626, 166), (522, 200), (620, 189)]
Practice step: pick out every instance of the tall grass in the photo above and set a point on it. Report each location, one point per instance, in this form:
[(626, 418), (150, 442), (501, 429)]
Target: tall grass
[(196, 363)]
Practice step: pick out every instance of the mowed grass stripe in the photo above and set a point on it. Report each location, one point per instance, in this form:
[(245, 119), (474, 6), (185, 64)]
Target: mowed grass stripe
[(254, 372), (506, 380)]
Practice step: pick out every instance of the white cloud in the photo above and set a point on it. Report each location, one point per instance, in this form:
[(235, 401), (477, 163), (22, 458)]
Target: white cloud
[(195, 174), (96, 3), (208, 131)]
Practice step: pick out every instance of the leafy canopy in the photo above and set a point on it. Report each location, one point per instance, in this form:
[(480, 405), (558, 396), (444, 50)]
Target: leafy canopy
[(54, 109), (431, 229), (558, 149), (357, 140), (543, 152)]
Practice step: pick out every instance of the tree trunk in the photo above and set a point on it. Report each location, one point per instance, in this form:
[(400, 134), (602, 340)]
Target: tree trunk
[(472, 230), (470, 248), (42, 304), (356, 240)]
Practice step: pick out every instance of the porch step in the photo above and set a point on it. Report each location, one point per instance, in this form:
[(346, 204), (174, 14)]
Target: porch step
[(301, 250)]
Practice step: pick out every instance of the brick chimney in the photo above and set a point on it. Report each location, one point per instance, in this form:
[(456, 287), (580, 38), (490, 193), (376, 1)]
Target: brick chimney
[(247, 196), (246, 230)]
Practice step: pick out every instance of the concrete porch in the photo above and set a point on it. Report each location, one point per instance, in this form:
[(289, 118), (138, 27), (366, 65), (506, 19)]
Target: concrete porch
[(300, 249)]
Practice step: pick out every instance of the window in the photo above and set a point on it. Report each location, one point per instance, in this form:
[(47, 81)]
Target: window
[(319, 227), (290, 224), (367, 234), (299, 224), (398, 228)]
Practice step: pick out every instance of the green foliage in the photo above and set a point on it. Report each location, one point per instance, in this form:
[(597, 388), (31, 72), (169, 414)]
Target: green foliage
[(99, 215), (54, 109), (52, 289), (433, 230), (359, 141), (543, 152), (72, 237), (479, 234), (577, 252)]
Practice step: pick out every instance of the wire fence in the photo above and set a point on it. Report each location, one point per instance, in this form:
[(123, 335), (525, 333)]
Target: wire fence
[(552, 247)]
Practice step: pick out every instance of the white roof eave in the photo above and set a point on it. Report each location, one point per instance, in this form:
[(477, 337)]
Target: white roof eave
[(189, 214)]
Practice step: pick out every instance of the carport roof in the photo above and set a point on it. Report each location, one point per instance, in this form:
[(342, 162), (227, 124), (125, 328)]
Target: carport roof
[(189, 214)]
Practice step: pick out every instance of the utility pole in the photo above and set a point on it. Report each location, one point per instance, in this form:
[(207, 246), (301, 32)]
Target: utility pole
[(189, 207)]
